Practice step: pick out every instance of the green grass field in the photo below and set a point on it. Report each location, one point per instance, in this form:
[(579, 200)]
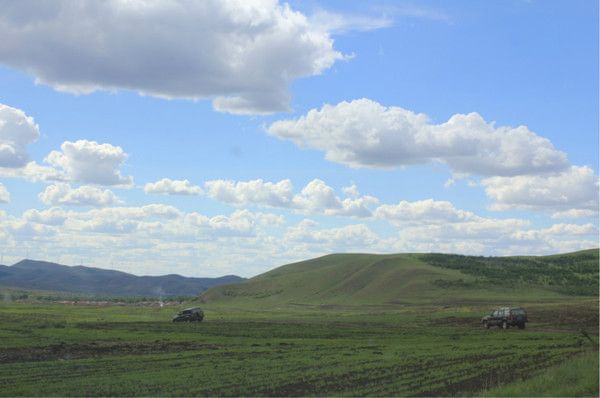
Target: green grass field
[(83, 350), (576, 377), (345, 325)]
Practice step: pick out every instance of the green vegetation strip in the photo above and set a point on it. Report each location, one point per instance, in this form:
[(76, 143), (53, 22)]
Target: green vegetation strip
[(572, 274)]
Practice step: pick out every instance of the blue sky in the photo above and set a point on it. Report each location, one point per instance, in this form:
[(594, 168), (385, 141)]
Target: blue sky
[(213, 138)]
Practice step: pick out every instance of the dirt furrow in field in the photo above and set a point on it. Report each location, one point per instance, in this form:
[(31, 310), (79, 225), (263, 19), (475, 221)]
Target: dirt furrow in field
[(79, 351)]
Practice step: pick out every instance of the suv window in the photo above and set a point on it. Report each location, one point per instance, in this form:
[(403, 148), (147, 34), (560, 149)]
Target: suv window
[(518, 311)]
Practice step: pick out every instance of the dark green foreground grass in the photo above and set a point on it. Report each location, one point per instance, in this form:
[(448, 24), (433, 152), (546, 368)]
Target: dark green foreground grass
[(76, 350), (577, 377)]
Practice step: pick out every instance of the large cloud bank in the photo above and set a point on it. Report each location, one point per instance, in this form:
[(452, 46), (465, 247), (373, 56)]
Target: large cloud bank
[(364, 133), (521, 169), (242, 53)]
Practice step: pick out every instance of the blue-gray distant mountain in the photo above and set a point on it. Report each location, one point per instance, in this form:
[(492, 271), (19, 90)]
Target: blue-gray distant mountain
[(42, 275)]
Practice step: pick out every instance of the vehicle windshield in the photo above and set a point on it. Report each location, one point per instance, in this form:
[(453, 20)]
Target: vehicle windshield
[(185, 312), (518, 311)]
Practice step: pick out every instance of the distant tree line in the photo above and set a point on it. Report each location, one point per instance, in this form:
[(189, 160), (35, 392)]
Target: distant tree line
[(574, 274)]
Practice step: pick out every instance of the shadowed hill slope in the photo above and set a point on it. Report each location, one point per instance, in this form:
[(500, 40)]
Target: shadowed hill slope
[(355, 279), (42, 275)]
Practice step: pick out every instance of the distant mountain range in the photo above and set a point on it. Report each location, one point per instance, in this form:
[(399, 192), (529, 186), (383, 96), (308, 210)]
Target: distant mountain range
[(42, 275)]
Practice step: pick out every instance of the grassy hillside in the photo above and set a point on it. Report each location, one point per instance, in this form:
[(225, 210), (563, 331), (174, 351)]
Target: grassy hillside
[(356, 279)]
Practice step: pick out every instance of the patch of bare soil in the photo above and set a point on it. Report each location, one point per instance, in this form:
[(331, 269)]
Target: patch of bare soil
[(90, 350), (456, 321), (572, 317), (567, 318)]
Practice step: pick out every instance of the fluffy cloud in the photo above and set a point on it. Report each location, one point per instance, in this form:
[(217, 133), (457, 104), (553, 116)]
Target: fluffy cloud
[(315, 197), (240, 223), (318, 197), (117, 220), (438, 226), (152, 222), (363, 133), (254, 192), (243, 53), (573, 192), (486, 233), (575, 213), (423, 212), (35, 172), (139, 238), (351, 191), (573, 230), (167, 186), (81, 161), (153, 239), (558, 238), (63, 194), (52, 216), (4, 194), (17, 130), (152, 211), (22, 230), (346, 238), (90, 162)]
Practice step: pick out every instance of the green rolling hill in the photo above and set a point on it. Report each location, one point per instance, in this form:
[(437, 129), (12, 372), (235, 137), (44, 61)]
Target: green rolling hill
[(359, 279)]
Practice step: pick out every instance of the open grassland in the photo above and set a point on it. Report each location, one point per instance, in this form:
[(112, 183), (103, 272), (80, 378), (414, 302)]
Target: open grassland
[(576, 377), (86, 350)]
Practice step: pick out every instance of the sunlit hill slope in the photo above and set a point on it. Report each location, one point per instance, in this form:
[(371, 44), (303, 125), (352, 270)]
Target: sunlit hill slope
[(354, 279)]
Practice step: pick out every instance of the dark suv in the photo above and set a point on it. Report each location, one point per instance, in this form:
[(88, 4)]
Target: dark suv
[(189, 315), (506, 317)]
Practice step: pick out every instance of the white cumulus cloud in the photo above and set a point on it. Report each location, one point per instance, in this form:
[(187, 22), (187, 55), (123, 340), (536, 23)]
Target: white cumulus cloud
[(423, 212), (575, 213), (242, 53), (364, 133), (346, 238), (64, 194), (35, 172), (90, 162), (573, 192), (573, 230), (167, 186), (52, 216), (253, 192), (316, 197), (17, 130)]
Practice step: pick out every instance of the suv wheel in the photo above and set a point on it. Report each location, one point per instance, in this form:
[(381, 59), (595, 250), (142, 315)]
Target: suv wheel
[(521, 326), (486, 325), (504, 325)]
